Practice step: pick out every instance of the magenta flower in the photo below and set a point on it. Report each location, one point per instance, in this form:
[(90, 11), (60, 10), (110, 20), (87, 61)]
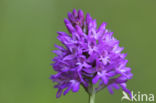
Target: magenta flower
[(90, 55)]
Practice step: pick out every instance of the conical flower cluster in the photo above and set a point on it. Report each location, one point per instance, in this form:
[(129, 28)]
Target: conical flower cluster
[(90, 55)]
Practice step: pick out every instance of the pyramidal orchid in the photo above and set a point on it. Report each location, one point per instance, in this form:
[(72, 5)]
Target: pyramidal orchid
[(91, 57)]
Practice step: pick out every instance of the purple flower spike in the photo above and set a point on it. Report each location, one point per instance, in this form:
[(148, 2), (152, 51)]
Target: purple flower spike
[(90, 55)]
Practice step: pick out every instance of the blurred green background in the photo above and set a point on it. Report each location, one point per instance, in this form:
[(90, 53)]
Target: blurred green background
[(28, 33)]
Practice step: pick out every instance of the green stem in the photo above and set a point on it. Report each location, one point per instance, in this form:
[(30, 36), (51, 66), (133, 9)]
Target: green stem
[(92, 94)]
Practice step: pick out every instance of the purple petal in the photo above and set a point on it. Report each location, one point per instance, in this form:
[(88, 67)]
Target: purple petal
[(69, 57), (70, 28), (111, 74), (79, 29), (80, 14), (67, 90), (95, 79), (123, 86), (70, 16), (74, 12), (66, 21), (76, 87), (110, 89), (105, 79), (59, 92), (101, 28), (88, 18), (115, 86)]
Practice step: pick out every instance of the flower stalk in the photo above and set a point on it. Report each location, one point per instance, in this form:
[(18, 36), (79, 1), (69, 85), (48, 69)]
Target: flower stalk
[(92, 94)]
